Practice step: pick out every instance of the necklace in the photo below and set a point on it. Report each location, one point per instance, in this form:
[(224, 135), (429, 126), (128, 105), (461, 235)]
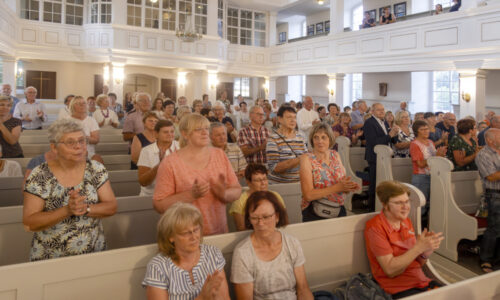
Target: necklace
[(105, 115)]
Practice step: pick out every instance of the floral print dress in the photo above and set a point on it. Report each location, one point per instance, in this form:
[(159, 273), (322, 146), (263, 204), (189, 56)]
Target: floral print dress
[(458, 143), (73, 235)]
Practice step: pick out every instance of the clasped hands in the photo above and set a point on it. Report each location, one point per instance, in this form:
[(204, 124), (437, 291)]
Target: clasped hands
[(216, 185), (429, 241), (76, 203)]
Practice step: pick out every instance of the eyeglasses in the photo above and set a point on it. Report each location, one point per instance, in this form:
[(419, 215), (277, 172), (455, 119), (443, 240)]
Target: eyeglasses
[(263, 218), (187, 233), (73, 143), (198, 130), (400, 203), (259, 115)]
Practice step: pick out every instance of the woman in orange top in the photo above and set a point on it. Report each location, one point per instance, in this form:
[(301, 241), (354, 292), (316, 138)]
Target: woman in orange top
[(199, 174), (395, 253)]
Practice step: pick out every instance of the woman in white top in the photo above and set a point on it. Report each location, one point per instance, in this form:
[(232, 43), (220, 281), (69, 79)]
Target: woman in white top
[(104, 116), (268, 264), (9, 168), (65, 112), (157, 108), (79, 112)]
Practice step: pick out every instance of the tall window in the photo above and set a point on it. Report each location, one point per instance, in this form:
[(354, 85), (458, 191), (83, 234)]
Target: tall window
[(30, 9), (74, 12), (152, 12), (303, 85), (246, 27), (168, 14), (185, 8), (20, 79), (357, 86), (259, 29), (232, 25), (445, 90), (105, 11), (242, 86), (200, 16), (444, 3), (357, 17), (52, 11), (134, 12), (220, 18), (100, 11)]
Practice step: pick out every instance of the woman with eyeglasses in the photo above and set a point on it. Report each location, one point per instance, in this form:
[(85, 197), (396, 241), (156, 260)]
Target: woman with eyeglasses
[(199, 174), (185, 268), (79, 112), (66, 197), (10, 130), (395, 252), (269, 263)]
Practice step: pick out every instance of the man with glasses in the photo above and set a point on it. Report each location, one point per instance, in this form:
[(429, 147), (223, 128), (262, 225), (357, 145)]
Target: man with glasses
[(253, 138), (133, 122), (448, 124), (31, 112)]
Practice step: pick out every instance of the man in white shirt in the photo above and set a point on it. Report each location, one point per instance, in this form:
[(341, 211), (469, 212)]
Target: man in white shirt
[(31, 112), (242, 116), (307, 117), (152, 155)]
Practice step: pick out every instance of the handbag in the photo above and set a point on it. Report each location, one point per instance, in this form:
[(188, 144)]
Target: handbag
[(325, 208)]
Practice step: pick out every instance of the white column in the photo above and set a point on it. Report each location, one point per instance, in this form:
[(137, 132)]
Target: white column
[(181, 84), (472, 95), (272, 29), (212, 13), (118, 12), (336, 89), (336, 16), (116, 79), (9, 71), (197, 85), (270, 88), (211, 88)]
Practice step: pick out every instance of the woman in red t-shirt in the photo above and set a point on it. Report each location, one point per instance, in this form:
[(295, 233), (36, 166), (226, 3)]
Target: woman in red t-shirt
[(395, 253)]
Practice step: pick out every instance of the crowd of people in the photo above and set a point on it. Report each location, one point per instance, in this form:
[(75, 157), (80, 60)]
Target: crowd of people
[(193, 162)]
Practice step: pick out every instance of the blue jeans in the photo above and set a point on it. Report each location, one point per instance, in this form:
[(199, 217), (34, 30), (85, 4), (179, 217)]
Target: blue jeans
[(489, 249), (423, 183)]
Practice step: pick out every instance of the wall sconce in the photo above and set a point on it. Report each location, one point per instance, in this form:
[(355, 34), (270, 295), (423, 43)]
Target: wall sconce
[(105, 73), (331, 90), (118, 74), (320, 2), (19, 73), (266, 87), (465, 96), (181, 79), (212, 80)]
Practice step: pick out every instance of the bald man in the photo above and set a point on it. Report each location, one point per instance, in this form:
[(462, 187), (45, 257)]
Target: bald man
[(488, 163), (448, 124), (307, 117), (494, 123)]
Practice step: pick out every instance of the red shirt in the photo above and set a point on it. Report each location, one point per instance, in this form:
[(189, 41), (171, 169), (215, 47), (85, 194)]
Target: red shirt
[(382, 239)]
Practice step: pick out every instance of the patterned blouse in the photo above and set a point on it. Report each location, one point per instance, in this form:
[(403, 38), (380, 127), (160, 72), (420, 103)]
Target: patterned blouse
[(327, 175), (73, 235), (402, 138), (457, 143)]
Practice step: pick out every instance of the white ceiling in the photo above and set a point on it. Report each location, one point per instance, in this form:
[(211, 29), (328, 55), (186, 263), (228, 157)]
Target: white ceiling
[(263, 5), (303, 8)]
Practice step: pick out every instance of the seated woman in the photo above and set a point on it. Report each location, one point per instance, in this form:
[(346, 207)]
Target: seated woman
[(256, 179), (157, 107), (343, 128), (395, 253), (185, 268), (66, 198), (197, 174), (197, 106), (10, 130), (9, 168), (401, 142), (143, 139), (322, 178), (268, 264), (104, 116), (65, 111), (387, 17), (462, 149), (389, 119), (332, 118)]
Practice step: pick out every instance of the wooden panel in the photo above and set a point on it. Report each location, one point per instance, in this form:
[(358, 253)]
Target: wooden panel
[(169, 88), (44, 82), (98, 84)]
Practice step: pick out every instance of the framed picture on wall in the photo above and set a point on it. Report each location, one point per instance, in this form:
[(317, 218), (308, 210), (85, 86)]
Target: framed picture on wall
[(282, 37), (400, 9), (319, 28), (327, 26), (310, 30), (382, 89), (381, 11)]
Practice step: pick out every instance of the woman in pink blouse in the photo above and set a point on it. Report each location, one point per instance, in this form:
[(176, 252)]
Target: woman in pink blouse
[(197, 174)]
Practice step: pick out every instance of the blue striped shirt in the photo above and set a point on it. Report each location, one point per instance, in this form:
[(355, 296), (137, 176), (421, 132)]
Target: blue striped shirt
[(163, 273)]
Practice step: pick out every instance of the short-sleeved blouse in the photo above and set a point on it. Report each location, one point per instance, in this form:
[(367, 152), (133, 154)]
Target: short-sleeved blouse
[(420, 151), (8, 150), (163, 273), (273, 279), (327, 175), (403, 138), (458, 143), (347, 133), (174, 177), (73, 235)]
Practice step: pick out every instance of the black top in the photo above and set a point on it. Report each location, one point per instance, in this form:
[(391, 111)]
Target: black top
[(8, 150), (384, 19)]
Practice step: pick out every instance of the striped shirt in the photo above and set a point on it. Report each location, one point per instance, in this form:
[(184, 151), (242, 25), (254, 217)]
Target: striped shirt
[(163, 273), (236, 157), (251, 137), (488, 163), (278, 150)]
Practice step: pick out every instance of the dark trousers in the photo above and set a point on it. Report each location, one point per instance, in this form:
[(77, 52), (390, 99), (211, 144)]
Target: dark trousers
[(432, 285), (373, 184), (490, 249)]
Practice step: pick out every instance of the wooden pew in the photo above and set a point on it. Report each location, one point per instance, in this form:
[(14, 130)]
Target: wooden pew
[(334, 250), (389, 168), (124, 183), (43, 139), (44, 132), (133, 224), (111, 162), (454, 195), (357, 159), (32, 150), (344, 149)]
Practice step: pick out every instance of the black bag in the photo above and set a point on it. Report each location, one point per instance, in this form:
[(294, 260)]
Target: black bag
[(361, 287)]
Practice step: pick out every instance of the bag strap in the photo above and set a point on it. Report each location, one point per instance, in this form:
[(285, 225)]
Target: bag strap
[(284, 140)]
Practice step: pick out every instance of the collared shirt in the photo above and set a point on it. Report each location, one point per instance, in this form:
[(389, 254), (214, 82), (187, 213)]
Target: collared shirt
[(251, 137), (488, 163), (357, 118), (14, 103), (236, 157), (305, 119), (30, 110), (64, 113), (382, 124), (150, 157), (133, 123), (382, 239)]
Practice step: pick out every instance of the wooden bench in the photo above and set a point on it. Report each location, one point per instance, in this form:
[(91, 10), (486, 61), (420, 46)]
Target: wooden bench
[(124, 183), (389, 168), (111, 162), (334, 250), (45, 132), (344, 149), (454, 197), (32, 150), (43, 139)]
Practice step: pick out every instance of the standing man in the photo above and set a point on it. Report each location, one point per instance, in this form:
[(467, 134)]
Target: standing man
[(133, 122), (488, 163), (448, 124), (494, 123), (206, 103), (31, 112), (253, 138), (357, 115), (218, 137), (6, 91), (376, 133), (307, 117)]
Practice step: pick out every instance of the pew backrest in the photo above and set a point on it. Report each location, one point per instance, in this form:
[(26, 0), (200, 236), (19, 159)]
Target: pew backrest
[(43, 139), (344, 148), (111, 162), (32, 150)]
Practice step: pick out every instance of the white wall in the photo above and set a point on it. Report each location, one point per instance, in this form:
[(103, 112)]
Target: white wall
[(281, 89), (376, 4), (318, 17), (421, 93), (398, 88), (316, 88), (493, 90)]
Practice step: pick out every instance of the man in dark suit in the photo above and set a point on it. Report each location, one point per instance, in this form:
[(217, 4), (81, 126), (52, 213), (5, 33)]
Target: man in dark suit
[(376, 133)]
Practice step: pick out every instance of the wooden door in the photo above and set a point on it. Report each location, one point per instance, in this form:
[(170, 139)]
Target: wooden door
[(228, 87), (98, 84), (169, 88), (44, 82)]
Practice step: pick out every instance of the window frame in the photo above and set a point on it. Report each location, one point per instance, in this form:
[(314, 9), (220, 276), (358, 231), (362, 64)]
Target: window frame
[(449, 92), (356, 86), (242, 90)]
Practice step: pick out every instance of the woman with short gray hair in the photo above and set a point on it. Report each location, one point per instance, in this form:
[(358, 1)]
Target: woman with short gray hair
[(66, 198)]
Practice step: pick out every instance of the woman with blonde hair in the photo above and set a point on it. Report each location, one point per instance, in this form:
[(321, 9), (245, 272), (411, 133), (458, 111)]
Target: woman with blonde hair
[(104, 116), (197, 174), (401, 142), (185, 268)]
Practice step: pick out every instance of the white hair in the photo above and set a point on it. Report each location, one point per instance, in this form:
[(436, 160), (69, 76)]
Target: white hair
[(219, 104), (62, 127), (140, 95)]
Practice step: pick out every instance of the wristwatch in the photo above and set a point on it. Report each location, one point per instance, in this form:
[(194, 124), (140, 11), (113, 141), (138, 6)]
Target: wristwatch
[(88, 210)]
